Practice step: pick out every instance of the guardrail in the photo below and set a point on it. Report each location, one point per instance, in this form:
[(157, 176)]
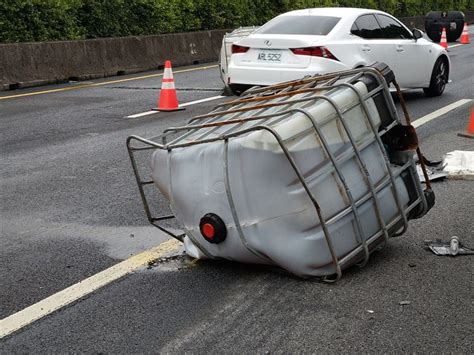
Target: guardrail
[(38, 63)]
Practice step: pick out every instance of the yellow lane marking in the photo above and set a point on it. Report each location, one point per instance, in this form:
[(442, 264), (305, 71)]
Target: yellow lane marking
[(103, 83), (73, 293)]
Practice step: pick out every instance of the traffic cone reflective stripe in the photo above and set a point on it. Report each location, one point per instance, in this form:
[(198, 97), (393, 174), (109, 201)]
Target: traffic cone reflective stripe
[(168, 100), (168, 84), (465, 35), (443, 43), (168, 73)]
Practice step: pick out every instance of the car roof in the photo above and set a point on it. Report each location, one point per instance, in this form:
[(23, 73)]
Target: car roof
[(332, 11)]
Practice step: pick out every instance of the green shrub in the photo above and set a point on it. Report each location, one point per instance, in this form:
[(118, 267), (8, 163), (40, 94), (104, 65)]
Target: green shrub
[(41, 20), (38, 20)]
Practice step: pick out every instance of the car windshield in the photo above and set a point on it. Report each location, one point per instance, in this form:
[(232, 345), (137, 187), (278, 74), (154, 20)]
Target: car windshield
[(300, 25)]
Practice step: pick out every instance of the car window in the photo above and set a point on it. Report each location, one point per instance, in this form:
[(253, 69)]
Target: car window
[(366, 26), (300, 25), (391, 29)]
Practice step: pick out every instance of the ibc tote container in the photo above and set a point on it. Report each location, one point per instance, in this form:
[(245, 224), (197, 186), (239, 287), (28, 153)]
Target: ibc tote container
[(304, 175)]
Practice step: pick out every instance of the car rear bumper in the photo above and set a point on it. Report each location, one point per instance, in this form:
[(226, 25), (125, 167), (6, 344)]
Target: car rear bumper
[(252, 75)]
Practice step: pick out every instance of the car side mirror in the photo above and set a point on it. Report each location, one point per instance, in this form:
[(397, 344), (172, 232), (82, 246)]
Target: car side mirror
[(417, 34)]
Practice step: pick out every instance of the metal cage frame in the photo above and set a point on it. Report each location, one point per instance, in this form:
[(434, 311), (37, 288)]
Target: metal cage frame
[(309, 87)]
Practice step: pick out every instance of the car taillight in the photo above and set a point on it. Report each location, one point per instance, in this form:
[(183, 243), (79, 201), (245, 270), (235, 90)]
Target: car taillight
[(239, 49), (314, 52)]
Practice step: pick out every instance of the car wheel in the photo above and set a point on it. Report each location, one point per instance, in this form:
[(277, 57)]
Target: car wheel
[(439, 78), (238, 89), (227, 91)]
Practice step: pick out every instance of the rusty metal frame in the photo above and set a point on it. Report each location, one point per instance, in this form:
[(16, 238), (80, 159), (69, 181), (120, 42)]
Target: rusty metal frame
[(211, 121)]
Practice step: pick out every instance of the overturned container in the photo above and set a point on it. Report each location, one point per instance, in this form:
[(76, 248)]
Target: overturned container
[(310, 175)]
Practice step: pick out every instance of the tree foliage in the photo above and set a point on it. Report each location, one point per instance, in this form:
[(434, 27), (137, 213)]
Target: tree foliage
[(41, 20)]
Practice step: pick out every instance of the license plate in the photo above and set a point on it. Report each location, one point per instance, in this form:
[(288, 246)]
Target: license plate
[(273, 57)]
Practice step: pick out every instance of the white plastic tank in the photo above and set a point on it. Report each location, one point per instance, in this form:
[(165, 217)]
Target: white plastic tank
[(228, 177)]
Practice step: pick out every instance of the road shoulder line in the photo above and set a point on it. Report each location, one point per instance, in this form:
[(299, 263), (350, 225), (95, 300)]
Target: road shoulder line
[(77, 291), (102, 83)]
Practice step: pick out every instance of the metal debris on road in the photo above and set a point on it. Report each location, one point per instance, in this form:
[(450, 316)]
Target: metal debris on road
[(434, 174), (451, 248), (455, 165), (404, 303), (434, 168)]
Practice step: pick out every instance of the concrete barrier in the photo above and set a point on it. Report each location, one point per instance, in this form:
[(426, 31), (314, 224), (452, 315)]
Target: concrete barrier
[(38, 63)]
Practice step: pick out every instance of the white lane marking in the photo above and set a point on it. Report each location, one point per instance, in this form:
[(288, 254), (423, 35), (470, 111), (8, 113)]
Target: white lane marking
[(73, 293), (142, 114), (182, 105), (435, 114), (202, 100), (455, 45)]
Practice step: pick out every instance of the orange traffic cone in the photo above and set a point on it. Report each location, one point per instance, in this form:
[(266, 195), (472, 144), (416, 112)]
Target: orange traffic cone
[(465, 35), (470, 126), (168, 100), (444, 42)]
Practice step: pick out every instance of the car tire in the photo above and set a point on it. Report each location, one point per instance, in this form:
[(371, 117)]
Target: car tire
[(439, 78), (238, 89), (227, 91)]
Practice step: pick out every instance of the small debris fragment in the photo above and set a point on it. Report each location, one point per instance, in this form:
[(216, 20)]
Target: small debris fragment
[(452, 248), (428, 162), (411, 264), (132, 235), (156, 262), (370, 311), (434, 174), (151, 263), (435, 170), (404, 303)]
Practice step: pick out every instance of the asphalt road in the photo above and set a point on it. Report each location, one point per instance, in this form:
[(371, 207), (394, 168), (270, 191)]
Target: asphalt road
[(70, 208)]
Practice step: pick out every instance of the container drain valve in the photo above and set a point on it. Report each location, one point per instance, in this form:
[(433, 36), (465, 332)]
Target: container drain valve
[(213, 228)]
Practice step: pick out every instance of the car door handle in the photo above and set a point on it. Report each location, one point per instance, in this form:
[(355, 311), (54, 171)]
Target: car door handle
[(400, 49), (366, 49)]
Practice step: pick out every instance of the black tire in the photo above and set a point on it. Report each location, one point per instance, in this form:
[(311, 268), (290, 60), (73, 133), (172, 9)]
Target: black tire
[(439, 78), (227, 91), (238, 89)]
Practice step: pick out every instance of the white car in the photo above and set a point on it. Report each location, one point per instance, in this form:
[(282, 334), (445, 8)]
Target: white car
[(322, 40)]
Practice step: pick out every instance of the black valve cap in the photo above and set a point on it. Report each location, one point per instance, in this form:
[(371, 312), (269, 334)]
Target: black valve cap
[(213, 228)]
